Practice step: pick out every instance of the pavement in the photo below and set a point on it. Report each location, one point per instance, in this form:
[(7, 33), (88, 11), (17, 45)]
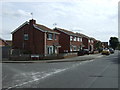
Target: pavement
[(77, 58)]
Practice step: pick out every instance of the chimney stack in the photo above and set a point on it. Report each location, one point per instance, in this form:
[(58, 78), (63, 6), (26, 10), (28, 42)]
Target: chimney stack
[(32, 21)]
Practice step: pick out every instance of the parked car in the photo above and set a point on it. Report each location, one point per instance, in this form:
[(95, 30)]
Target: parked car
[(111, 50), (86, 51), (83, 52), (106, 52), (100, 50)]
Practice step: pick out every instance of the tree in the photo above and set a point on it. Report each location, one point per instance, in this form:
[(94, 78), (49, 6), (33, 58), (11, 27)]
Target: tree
[(114, 42), (98, 45)]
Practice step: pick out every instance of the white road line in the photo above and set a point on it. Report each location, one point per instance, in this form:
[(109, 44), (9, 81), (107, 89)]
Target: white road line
[(35, 78)]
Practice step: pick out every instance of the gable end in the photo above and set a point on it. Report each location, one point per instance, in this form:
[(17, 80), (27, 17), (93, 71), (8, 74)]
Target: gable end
[(20, 27)]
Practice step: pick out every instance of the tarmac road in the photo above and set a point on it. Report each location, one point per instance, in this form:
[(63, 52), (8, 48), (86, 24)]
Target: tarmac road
[(97, 73)]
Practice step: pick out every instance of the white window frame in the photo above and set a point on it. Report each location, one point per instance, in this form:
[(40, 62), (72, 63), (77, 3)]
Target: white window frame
[(89, 40), (71, 38), (74, 48), (80, 39), (26, 37), (52, 49), (75, 38), (48, 37)]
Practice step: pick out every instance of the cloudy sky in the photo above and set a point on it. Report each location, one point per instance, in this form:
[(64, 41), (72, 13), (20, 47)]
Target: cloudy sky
[(95, 18)]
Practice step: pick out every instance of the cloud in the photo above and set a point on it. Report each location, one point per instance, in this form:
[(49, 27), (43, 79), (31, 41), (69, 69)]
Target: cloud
[(17, 13), (87, 16), (23, 13)]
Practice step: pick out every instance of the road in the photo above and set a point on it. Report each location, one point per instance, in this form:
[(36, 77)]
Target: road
[(97, 73)]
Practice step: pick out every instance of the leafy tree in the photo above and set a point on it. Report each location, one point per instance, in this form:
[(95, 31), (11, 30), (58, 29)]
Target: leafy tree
[(114, 42), (98, 45)]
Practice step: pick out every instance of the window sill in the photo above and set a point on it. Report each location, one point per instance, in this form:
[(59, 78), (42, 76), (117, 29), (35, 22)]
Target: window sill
[(49, 39)]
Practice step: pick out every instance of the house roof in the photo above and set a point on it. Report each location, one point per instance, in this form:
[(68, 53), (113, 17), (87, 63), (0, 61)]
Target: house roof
[(5, 41), (67, 31), (74, 34), (9, 42), (2, 40), (37, 26), (92, 38), (44, 28), (83, 35)]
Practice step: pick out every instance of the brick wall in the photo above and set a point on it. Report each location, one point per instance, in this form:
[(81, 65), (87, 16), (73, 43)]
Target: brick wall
[(85, 42), (35, 42), (64, 41)]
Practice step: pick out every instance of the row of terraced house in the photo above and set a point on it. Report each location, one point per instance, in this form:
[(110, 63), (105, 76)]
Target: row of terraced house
[(39, 39)]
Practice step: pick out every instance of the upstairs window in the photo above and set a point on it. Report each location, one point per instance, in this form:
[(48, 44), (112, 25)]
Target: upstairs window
[(26, 37), (75, 38), (80, 39), (55, 36), (50, 36), (71, 38), (91, 41)]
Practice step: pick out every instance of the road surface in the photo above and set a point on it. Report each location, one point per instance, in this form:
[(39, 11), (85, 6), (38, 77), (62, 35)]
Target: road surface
[(97, 73)]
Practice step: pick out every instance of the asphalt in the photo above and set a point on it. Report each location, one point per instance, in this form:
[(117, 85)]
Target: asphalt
[(72, 59), (101, 72)]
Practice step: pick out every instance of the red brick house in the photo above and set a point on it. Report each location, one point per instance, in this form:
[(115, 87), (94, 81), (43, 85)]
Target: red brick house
[(3, 42), (84, 40), (105, 45), (36, 38), (91, 44), (88, 42), (69, 40), (9, 42)]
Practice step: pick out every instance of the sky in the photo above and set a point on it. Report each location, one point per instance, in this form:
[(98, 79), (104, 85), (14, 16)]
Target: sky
[(94, 18)]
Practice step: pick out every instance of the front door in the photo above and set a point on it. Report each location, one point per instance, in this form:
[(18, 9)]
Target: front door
[(50, 49)]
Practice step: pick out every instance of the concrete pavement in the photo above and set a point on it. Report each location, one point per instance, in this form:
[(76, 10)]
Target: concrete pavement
[(78, 58)]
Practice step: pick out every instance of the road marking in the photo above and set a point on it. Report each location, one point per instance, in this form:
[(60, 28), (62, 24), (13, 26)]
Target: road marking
[(38, 77), (100, 56)]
